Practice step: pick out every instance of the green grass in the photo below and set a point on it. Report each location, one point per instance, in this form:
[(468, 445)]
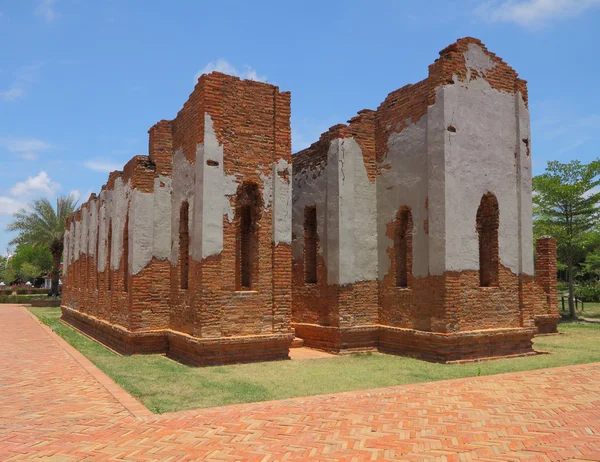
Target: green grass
[(590, 310), (164, 385)]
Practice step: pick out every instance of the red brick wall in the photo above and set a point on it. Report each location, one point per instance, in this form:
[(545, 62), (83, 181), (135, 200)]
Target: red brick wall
[(251, 121), (450, 302)]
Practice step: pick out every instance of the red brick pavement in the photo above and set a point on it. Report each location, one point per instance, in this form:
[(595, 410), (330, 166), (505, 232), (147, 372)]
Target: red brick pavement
[(54, 404)]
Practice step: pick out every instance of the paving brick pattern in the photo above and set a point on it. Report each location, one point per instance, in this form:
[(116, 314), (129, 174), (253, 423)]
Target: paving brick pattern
[(54, 404)]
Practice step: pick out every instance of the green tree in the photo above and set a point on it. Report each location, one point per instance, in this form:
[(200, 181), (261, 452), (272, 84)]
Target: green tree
[(29, 271), (37, 255), (592, 264), (566, 200), (8, 275), (44, 226)]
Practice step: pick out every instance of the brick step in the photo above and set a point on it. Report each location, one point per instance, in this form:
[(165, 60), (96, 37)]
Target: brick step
[(297, 343)]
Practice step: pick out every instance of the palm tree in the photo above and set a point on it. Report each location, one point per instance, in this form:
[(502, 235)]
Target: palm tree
[(44, 226)]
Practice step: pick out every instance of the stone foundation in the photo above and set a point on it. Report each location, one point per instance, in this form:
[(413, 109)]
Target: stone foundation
[(429, 346), (547, 323), (179, 346)]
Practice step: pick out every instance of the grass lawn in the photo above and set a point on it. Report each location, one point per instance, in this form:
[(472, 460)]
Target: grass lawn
[(164, 385), (590, 310)]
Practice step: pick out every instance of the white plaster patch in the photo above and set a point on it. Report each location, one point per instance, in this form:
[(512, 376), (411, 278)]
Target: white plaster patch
[(345, 200), (362, 222), (480, 158), (65, 252), (212, 189), (267, 187), (403, 182), (77, 249), (84, 231), (477, 59), (230, 186), (93, 227), (162, 218), (309, 188), (142, 224), (182, 190), (102, 232), (282, 202)]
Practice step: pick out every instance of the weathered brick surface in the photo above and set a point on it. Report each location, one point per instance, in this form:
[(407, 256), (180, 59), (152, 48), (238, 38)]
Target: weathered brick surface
[(444, 317), (244, 302), (146, 311)]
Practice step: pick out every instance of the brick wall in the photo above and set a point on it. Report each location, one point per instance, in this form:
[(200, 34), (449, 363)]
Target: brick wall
[(251, 124), (231, 305), (454, 302)]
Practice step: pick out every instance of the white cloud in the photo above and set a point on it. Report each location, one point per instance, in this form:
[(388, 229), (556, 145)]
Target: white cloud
[(77, 196), (9, 206), (46, 10), (35, 186), (18, 89), (26, 144), (221, 65), (25, 148), (532, 13), (594, 190), (100, 165), (14, 92), (29, 156)]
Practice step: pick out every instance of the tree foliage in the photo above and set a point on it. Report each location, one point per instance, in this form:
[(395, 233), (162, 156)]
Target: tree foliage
[(28, 271), (566, 206), (44, 226), (8, 275), (37, 255)]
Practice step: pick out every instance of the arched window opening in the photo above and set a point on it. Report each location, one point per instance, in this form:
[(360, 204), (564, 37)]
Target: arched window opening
[(109, 255), (311, 244), (126, 255), (488, 217), (184, 244), (403, 246), (248, 209)]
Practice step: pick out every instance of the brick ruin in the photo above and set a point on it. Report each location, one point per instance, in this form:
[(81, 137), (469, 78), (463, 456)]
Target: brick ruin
[(407, 230)]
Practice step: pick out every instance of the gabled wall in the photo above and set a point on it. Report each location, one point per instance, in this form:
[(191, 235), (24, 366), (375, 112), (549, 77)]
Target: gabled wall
[(440, 145)]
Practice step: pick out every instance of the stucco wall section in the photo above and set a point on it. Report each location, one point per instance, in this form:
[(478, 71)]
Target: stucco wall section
[(162, 217), (182, 190), (282, 202), (436, 187), (102, 232), (84, 230), (141, 226), (214, 193), (479, 158), (77, 240), (403, 182), (65, 252), (92, 227), (118, 205), (309, 188), (525, 176)]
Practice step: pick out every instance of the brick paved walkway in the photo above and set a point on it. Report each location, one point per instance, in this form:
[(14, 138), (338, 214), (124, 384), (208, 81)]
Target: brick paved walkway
[(54, 404)]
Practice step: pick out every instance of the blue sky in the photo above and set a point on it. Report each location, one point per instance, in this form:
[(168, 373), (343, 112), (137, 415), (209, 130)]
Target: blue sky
[(82, 81)]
